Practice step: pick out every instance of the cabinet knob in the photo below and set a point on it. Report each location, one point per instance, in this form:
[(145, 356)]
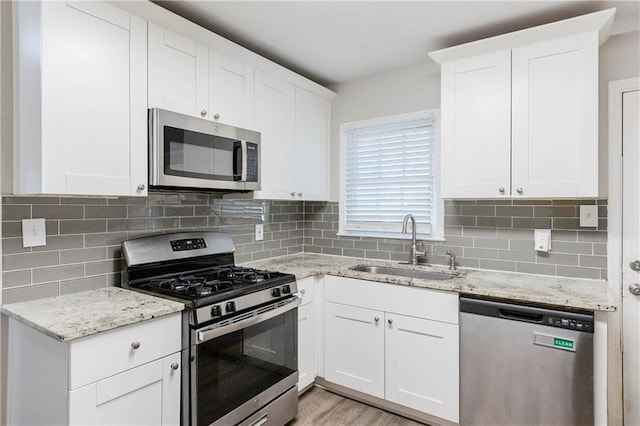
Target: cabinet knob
[(390, 321), (501, 189), (634, 289), (299, 194), (174, 366), (203, 113), (376, 319), (135, 345), (519, 190), (635, 265), (293, 194), (303, 291), (216, 116), (141, 187)]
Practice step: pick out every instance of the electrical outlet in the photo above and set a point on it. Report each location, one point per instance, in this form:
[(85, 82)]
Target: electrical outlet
[(33, 233), (589, 216), (259, 232)]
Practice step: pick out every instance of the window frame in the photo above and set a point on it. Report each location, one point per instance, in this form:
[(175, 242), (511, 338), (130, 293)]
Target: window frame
[(437, 231)]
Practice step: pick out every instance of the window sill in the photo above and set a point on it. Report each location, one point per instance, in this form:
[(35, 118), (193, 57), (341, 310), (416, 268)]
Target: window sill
[(393, 236)]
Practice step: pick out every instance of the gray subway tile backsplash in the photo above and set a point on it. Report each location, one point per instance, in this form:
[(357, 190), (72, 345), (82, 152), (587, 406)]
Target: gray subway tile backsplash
[(84, 236)]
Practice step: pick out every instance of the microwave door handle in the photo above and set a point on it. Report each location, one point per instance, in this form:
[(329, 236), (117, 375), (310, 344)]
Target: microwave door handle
[(243, 161)]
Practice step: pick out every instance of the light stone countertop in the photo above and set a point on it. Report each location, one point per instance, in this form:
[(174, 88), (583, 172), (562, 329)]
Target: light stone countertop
[(592, 295), (82, 314)]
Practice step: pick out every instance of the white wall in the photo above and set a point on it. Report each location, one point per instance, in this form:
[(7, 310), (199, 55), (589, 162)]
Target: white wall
[(417, 88), (396, 92), (619, 58)]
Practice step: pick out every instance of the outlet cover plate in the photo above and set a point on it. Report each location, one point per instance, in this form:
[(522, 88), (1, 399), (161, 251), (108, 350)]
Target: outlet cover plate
[(33, 233), (259, 232), (589, 216)]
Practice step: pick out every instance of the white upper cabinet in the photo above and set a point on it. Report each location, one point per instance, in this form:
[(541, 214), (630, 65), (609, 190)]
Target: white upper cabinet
[(476, 126), (178, 73), (275, 105), (294, 124), (80, 99), (189, 78), (312, 147), (555, 118), (520, 112), (231, 91)]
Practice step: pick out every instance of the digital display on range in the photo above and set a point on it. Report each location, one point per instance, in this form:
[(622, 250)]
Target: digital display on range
[(188, 244)]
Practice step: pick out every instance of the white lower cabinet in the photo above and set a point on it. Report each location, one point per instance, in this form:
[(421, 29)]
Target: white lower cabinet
[(409, 358), (307, 333), (421, 365), (125, 376), (355, 348), (149, 394)]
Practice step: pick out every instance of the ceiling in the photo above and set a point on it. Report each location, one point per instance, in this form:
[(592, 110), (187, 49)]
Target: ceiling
[(336, 41)]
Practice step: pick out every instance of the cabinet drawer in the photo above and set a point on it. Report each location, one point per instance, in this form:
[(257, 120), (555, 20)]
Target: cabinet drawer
[(105, 354), (413, 301)]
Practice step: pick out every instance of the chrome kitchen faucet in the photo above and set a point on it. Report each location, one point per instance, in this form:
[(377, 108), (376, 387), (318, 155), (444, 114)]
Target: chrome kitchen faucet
[(413, 253)]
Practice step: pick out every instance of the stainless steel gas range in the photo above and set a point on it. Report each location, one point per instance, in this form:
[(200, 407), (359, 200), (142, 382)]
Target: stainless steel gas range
[(239, 338)]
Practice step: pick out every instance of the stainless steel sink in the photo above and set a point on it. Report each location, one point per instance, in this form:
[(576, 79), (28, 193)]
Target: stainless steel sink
[(401, 272)]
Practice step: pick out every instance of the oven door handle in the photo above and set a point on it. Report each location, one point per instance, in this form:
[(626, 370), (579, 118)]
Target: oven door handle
[(205, 335)]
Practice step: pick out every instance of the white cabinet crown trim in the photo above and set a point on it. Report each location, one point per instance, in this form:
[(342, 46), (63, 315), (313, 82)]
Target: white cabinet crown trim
[(601, 21)]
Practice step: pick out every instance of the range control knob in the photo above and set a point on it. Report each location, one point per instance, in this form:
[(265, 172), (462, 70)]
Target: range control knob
[(230, 307), (286, 289), (216, 311), (275, 292)]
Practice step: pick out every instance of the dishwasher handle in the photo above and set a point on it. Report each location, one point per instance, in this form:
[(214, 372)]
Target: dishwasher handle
[(520, 315)]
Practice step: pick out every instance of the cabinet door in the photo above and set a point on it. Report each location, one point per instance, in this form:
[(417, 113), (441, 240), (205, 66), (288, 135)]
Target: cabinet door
[(149, 394), (89, 95), (476, 127), (274, 119), (354, 342), (422, 365), (231, 91), (178, 73), (307, 347), (312, 147), (555, 118)]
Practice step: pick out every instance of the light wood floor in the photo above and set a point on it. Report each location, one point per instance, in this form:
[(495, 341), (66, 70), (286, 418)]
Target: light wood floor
[(318, 407)]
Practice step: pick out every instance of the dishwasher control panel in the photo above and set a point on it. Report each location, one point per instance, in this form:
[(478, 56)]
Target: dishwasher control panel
[(570, 323)]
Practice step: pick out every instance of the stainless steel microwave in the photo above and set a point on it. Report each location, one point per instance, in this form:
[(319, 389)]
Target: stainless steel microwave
[(193, 153)]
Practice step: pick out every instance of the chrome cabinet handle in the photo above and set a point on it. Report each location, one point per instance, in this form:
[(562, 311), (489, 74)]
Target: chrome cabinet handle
[(293, 194), (135, 345), (141, 187), (174, 366), (376, 319), (216, 116), (519, 190), (501, 189), (303, 291), (299, 194), (390, 321), (634, 289), (203, 113), (635, 265)]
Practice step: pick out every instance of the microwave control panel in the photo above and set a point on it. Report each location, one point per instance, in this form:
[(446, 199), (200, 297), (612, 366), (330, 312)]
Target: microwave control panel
[(252, 162)]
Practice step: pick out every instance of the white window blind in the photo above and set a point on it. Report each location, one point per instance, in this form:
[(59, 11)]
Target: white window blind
[(389, 172)]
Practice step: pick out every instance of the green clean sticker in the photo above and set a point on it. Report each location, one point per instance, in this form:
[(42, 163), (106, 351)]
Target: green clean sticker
[(563, 343)]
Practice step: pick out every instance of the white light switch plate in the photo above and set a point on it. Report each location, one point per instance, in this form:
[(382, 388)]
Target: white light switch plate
[(589, 216), (33, 233), (259, 232)]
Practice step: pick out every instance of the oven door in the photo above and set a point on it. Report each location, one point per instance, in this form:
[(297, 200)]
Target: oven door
[(241, 365)]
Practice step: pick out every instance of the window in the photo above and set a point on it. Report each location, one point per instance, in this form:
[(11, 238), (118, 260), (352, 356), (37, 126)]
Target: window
[(389, 169)]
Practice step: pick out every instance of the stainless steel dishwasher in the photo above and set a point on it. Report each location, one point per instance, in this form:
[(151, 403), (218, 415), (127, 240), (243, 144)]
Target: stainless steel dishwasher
[(524, 365)]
